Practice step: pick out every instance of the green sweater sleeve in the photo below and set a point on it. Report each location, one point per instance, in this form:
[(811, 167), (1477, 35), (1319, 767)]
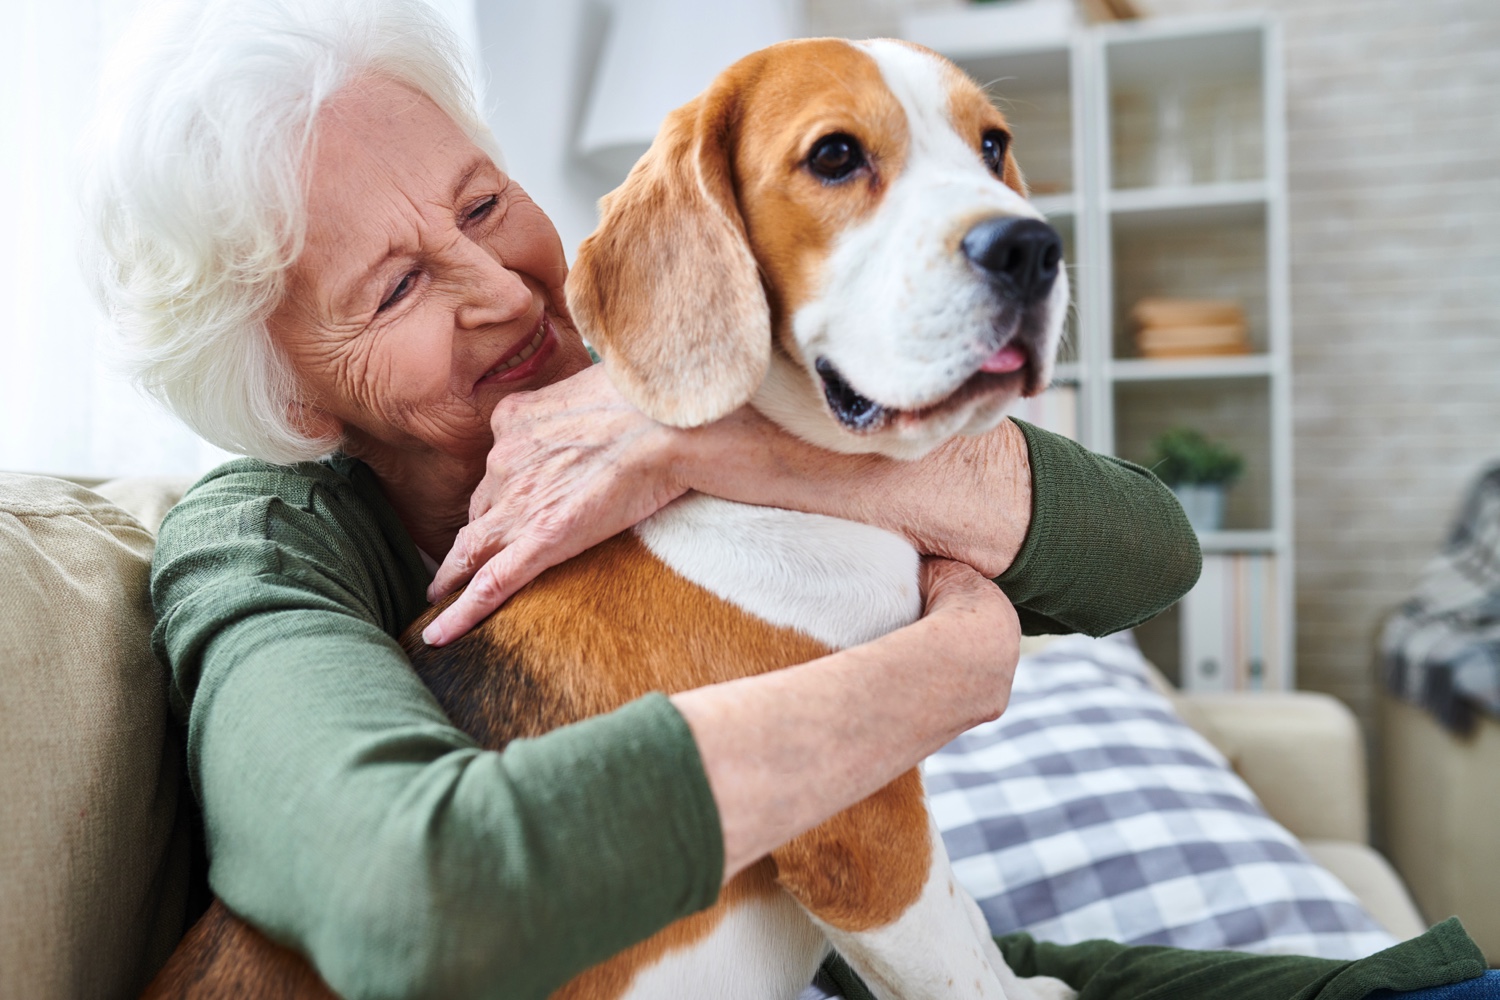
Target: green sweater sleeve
[(1109, 546), (1102, 970), (346, 817), (1106, 970)]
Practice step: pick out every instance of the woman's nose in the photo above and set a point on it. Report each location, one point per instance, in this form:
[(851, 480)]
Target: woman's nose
[(492, 293)]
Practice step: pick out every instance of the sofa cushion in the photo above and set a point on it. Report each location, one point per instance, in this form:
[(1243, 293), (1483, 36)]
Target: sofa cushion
[(94, 849), (1370, 877), (1091, 810)]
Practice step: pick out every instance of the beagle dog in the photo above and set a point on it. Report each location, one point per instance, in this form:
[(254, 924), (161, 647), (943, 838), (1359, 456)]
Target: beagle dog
[(837, 234)]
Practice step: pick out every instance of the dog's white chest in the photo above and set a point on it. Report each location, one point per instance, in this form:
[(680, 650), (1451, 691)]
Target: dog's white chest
[(840, 582)]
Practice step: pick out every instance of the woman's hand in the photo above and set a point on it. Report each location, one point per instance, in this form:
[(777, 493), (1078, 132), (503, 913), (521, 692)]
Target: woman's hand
[(865, 714), (573, 464), (973, 637)]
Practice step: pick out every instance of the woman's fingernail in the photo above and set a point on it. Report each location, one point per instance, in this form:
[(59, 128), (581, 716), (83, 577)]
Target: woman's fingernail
[(432, 635)]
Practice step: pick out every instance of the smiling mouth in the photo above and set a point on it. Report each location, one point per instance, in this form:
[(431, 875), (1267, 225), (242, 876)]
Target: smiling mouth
[(1012, 367), (527, 351)]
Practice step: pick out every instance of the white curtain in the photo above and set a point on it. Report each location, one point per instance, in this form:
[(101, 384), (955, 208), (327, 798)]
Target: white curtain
[(62, 410)]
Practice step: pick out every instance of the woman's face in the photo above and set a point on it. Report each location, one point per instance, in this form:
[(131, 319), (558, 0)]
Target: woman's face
[(429, 287)]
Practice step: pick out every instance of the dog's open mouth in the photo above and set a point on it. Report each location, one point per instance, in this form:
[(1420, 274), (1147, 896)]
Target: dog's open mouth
[(856, 412), (1013, 368)]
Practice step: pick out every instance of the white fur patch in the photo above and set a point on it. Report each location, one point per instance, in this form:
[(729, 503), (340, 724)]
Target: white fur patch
[(763, 949), (840, 582)]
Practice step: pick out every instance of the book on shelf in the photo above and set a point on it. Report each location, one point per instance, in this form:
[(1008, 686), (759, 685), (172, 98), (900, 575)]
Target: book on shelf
[(1231, 633), (1189, 328)]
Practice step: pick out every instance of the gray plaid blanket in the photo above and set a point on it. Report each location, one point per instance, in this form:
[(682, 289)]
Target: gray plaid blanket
[(1091, 810), (1441, 649)]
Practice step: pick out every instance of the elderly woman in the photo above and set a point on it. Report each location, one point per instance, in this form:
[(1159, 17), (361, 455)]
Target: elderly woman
[(307, 239)]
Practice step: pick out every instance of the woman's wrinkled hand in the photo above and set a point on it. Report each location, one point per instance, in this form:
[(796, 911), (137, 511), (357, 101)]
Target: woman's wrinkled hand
[(573, 464), (976, 635)]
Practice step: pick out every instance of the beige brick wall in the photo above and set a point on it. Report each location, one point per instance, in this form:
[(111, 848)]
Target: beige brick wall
[(1394, 164)]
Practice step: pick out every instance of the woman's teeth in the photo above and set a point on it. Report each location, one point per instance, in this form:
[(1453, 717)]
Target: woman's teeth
[(525, 353)]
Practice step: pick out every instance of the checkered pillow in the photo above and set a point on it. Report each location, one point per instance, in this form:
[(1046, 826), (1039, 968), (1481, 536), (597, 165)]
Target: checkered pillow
[(1090, 810)]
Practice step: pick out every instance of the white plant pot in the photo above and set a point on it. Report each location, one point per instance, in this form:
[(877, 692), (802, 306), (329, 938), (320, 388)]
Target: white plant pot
[(1203, 503)]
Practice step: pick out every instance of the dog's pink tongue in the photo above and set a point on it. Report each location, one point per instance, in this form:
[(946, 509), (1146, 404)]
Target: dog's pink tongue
[(1008, 359)]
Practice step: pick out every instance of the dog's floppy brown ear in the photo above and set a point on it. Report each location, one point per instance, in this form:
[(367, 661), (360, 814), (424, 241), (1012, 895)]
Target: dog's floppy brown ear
[(666, 289)]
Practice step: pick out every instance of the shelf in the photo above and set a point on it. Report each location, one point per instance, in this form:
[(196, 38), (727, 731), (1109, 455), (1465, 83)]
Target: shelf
[(1195, 205), (1211, 47), (1238, 541), (1160, 369), (1065, 373), (1055, 206), (969, 34)]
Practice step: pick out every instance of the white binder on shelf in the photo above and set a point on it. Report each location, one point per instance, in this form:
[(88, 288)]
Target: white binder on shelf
[(1231, 638)]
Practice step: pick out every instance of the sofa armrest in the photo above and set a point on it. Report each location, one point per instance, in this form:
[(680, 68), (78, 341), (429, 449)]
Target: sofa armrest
[(1300, 752)]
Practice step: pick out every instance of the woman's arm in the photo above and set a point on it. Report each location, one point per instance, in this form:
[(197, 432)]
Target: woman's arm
[(865, 715), (1080, 541), (346, 816), (970, 499)]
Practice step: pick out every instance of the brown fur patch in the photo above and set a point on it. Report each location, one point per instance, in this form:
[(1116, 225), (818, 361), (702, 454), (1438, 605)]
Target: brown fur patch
[(224, 958), (585, 637), (864, 867)]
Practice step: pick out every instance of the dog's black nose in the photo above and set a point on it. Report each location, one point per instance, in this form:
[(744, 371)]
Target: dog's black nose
[(1022, 254)]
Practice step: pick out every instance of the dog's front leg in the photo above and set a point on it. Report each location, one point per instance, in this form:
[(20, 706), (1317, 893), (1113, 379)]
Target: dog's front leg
[(1016, 988), (876, 878)]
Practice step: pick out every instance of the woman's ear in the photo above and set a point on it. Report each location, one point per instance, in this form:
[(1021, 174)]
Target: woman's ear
[(666, 289)]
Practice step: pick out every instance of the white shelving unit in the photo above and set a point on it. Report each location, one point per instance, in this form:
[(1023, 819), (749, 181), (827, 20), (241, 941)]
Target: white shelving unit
[(1157, 148)]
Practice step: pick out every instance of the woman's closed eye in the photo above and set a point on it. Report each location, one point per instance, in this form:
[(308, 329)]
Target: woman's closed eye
[(405, 285), (482, 209)]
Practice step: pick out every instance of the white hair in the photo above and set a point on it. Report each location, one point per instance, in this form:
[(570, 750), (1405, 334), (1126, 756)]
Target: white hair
[(195, 189)]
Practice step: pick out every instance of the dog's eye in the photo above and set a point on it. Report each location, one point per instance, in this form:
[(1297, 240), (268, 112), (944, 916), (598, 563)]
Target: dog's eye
[(992, 147), (835, 157)]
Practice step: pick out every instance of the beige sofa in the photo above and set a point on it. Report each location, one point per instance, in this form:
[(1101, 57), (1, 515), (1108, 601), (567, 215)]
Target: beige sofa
[(1441, 816), (94, 833)]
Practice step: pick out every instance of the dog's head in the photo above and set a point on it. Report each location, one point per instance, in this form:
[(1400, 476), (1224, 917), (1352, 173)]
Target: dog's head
[(838, 232)]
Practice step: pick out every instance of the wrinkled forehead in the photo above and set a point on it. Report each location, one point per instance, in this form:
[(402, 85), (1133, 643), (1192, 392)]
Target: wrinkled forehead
[(885, 93)]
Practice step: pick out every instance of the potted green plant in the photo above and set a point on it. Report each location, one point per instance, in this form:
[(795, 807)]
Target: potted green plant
[(1199, 471)]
